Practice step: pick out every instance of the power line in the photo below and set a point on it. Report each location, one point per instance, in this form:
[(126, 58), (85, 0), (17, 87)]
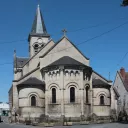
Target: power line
[(70, 31), (15, 41), (123, 58), (92, 26), (97, 25), (97, 36), (88, 39), (6, 63)]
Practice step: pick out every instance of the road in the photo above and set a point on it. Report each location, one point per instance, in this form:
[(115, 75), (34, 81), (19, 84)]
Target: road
[(112, 125), (3, 125)]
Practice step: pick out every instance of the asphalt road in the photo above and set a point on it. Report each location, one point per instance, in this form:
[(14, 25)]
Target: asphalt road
[(3, 125), (112, 125)]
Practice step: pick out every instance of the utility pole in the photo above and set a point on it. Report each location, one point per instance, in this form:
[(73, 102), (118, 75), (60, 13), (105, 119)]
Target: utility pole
[(124, 3)]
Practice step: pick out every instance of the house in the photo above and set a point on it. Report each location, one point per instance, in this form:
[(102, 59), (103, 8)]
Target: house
[(4, 109), (121, 85)]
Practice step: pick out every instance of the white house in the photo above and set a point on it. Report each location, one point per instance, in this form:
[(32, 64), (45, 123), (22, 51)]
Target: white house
[(121, 85), (4, 108)]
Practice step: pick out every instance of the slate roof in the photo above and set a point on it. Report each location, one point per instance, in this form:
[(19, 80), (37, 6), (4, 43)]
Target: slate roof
[(32, 81), (101, 76), (99, 82), (66, 60), (39, 27), (19, 62)]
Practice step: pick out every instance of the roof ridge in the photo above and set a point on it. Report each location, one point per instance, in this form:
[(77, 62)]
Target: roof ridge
[(64, 49)]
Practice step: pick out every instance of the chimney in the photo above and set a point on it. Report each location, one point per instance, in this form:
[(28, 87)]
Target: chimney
[(122, 72)]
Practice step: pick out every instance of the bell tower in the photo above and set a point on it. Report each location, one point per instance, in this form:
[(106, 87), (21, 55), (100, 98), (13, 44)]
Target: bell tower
[(38, 36)]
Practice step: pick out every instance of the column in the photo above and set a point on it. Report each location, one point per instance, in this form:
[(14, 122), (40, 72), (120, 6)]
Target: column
[(62, 89)]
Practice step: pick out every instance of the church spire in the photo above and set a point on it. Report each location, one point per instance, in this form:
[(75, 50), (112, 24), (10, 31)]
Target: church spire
[(38, 27), (38, 36), (38, 24)]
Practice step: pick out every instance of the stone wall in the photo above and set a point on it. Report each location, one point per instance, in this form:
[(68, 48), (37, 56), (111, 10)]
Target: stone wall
[(62, 80), (64, 48)]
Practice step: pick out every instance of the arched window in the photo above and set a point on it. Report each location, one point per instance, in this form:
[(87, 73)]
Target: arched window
[(72, 94), (101, 100), (33, 101), (87, 97), (53, 95)]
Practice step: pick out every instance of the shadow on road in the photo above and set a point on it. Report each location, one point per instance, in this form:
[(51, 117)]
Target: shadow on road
[(123, 122)]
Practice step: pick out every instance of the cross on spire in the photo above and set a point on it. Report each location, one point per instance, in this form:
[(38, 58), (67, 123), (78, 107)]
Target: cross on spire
[(64, 32)]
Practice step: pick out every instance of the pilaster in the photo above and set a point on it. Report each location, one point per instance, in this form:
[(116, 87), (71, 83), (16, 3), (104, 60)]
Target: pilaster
[(15, 97), (112, 98), (46, 93), (82, 91), (62, 89), (91, 95)]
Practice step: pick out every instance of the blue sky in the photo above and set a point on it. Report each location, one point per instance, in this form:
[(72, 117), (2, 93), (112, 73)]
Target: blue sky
[(105, 52)]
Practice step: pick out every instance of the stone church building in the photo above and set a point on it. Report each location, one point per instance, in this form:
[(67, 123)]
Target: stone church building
[(56, 80)]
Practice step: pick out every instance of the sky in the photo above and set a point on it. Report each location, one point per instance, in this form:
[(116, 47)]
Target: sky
[(83, 19)]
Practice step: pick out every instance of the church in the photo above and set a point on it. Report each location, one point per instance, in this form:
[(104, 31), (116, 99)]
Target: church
[(56, 81)]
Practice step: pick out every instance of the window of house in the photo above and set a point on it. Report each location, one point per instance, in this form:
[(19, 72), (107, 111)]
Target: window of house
[(87, 97), (33, 101), (53, 95), (101, 100), (72, 94)]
